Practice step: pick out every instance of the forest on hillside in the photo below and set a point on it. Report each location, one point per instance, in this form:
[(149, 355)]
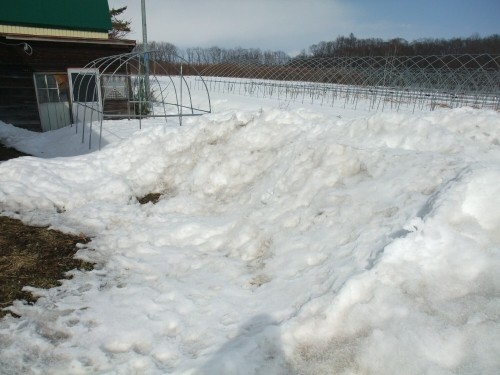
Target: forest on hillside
[(341, 46), (352, 46)]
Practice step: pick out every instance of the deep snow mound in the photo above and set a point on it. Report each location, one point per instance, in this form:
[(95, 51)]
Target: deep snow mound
[(283, 242)]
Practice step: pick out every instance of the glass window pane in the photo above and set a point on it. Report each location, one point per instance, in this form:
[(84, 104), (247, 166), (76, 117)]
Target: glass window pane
[(84, 87), (51, 88), (40, 81), (115, 87)]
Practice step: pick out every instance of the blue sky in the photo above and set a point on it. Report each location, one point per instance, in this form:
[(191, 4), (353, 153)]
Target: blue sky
[(293, 25)]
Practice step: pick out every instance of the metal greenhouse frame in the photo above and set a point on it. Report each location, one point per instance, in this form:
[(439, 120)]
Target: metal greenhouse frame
[(413, 81), (120, 86)]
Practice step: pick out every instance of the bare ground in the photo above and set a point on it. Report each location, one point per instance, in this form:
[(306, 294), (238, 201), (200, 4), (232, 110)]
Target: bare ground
[(32, 256), (7, 153), (36, 256)]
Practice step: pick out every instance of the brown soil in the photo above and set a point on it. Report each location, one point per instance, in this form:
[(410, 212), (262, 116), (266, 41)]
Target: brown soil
[(151, 197), (32, 256), (7, 153), (36, 256)]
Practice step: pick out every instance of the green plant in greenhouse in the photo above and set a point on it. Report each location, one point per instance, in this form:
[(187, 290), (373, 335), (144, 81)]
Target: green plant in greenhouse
[(142, 98)]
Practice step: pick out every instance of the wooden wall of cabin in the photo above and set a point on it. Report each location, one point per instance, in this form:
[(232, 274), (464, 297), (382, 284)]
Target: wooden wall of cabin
[(18, 104)]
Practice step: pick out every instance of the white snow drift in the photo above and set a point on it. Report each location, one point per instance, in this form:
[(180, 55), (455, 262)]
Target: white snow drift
[(285, 242)]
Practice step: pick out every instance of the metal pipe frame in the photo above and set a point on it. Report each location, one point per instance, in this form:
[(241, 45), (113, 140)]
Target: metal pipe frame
[(161, 84), (448, 80)]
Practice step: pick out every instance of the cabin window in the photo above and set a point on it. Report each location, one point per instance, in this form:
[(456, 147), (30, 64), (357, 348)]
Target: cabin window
[(51, 88), (53, 102), (85, 94), (115, 86)]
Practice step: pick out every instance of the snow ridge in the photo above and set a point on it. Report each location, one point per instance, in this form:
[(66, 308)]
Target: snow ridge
[(285, 241)]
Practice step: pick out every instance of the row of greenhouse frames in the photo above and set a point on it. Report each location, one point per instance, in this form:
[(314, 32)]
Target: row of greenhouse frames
[(139, 84), (423, 81)]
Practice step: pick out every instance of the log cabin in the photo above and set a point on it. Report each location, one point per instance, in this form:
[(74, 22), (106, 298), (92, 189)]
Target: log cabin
[(43, 46)]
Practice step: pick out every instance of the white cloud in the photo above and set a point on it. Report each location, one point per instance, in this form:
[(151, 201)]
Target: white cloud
[(292, 25), (266, 24)]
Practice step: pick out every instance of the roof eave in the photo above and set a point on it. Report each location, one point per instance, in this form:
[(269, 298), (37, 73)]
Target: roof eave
[(62, 39)]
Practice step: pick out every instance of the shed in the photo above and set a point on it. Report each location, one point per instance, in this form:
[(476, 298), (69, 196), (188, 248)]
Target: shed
[(43, 47)]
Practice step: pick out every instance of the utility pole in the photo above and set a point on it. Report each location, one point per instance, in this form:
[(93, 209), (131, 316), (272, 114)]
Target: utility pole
[(145, 46)]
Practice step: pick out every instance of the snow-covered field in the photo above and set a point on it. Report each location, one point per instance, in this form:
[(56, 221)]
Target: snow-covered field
[(288, 240)]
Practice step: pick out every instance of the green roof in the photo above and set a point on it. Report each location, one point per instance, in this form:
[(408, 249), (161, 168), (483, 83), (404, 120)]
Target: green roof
[(87, 15)]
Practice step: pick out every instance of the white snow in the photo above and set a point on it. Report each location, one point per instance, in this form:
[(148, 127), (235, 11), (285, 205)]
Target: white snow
[(288, 240)]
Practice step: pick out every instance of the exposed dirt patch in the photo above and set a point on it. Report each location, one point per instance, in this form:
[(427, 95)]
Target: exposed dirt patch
[(151, 197), (34, 256), (7, 153)]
